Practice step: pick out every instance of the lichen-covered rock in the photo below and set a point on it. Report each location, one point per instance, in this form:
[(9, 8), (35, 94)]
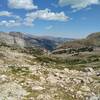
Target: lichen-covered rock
[(3, 78), (37, 88), (11, 91), (44, 97), (85, 88)]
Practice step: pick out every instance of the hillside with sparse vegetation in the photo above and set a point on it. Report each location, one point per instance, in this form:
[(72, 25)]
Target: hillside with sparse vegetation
[(91, 40), (30, 73)]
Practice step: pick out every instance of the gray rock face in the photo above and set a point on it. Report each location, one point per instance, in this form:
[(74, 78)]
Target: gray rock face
[(11, 91), (10, 39), (26, 40), (6, 38)]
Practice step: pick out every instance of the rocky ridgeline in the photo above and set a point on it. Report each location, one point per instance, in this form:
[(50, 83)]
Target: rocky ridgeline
[(18, 39), (36, 82)]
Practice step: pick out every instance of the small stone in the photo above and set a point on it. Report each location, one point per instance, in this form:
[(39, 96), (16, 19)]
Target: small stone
[(85, 88), (66, 69), (3, 78), (79, 93), (44, 97), (94, 98), (37, 88), (89, 69)]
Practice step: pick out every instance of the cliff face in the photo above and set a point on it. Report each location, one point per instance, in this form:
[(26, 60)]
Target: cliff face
[(25, 40), (11, 39)]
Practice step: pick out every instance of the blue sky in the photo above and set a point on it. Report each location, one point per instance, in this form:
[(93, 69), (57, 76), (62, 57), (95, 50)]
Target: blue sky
[(61, 18)]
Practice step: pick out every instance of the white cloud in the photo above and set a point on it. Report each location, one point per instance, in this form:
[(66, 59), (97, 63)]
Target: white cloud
[(78, 4), (46, 15), (9, 14), (14, 23), (14, 20), (16, 17), (9, 23), (49, 27), (28, 23), (28, 20), (22, 4), (5, 13)]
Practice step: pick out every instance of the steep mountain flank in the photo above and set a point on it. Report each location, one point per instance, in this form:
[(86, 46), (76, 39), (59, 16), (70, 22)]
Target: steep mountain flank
[(95, 38), (18, 39), (91, 40), (88, 44)]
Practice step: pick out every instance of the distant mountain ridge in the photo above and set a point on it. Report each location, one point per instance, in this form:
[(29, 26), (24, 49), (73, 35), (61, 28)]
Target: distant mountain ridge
[(91, 40), (26, 40)]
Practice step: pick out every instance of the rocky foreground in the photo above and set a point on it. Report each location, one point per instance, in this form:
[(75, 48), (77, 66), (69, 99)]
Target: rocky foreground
[(22, 77), (38, 82)]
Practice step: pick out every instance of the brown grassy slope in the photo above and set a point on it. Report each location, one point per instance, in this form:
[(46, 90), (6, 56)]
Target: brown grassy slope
[(91, 40)]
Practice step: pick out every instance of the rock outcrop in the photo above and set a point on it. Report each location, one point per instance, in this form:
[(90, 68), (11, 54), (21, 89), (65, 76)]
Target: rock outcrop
[(25, 40)]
